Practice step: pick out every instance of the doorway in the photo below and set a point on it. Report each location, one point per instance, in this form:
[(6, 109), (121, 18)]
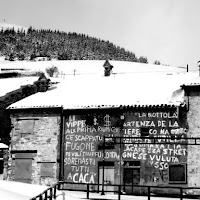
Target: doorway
[(109, 173), (23, 167), (131, 176)]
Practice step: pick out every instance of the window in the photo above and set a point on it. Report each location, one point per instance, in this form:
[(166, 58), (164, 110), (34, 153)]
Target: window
[(178, 173), (89, 121), (106, 163), (47, 169), (131, 163), (106, 146), (27, 126), (109, 144), (144, 131), (131, 177)]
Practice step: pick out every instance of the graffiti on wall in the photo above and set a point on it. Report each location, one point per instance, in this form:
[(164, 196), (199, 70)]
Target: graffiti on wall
[(81, 152), (159, 124), (81, 144)]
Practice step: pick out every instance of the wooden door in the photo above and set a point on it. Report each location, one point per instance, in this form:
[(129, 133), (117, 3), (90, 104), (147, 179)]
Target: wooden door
[(23, 167), (131, 178)]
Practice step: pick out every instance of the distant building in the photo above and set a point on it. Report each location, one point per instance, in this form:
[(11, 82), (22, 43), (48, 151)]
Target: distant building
[(41, 58)]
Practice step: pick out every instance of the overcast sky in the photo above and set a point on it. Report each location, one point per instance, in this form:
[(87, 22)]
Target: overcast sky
[(164, 30)]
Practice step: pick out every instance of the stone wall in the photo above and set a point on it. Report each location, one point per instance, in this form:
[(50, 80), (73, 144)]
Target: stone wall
[(193, 116), (37, 132)]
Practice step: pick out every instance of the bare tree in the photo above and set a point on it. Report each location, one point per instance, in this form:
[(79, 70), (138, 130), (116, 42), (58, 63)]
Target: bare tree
[(51, 70)]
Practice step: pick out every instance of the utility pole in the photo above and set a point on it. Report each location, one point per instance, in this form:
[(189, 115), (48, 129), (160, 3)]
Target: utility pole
[(102, 192)]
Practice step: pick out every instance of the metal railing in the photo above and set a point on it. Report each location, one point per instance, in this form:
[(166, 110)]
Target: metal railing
[(180, 191), (49, 193)]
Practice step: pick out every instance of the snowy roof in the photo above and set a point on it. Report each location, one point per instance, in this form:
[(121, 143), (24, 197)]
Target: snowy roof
[(193, 82), (107, 92), (11, 84), (3, 146)]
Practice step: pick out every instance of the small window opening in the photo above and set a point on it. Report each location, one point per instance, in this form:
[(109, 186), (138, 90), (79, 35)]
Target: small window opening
[(177, 173), (144, 131), (131, 163)]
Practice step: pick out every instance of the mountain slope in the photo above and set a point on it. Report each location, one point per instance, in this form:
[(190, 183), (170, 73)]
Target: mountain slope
[(59, 45)]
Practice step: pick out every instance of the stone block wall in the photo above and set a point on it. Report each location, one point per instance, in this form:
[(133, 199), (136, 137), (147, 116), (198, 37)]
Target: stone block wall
[(37, 132), (194, 131)]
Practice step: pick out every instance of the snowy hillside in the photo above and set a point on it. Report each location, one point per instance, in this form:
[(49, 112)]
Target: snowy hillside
[(91, 67), (136, 77)]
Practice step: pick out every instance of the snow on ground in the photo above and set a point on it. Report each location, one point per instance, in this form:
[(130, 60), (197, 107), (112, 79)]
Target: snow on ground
[(12, 190), (2, 59), (20, 190), (91, 67)]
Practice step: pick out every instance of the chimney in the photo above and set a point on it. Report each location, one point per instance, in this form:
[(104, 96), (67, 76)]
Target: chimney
[(42, 83), (107, 68)]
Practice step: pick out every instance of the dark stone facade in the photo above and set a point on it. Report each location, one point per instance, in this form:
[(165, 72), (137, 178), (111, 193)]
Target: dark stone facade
[(134, 161)]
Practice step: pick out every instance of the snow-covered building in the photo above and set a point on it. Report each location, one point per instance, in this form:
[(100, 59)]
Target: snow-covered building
[(60, 134)]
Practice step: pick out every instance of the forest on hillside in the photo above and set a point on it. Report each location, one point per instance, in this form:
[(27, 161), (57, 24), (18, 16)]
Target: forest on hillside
[(21, 45)]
